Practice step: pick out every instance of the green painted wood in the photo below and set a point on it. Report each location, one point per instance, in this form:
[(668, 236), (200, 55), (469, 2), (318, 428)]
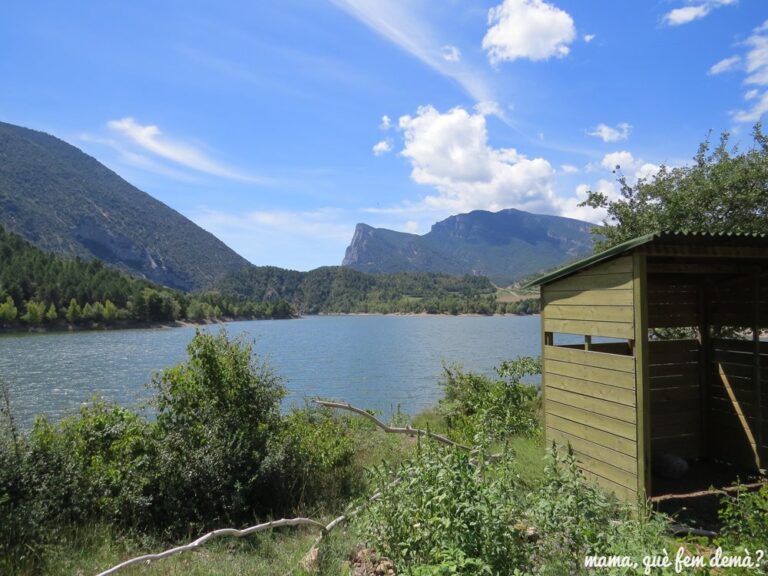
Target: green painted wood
[(596, 405), (616, 378), (601, 437), (622, 281), (621, 492), (595, 465), (608, 424), (590, 328), (587, 297), (598, 452), (624, 396), (643, 416), (621, 314), (591, 358)]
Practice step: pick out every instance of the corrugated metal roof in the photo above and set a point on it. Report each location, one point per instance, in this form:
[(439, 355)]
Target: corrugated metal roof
[(675, 237)]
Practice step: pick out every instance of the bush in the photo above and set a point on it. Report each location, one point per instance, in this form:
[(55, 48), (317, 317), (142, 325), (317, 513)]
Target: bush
[(496, 408), (443, 513), (745, 520)]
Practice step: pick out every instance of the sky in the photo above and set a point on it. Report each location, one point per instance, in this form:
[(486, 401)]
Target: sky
[(279, 125)]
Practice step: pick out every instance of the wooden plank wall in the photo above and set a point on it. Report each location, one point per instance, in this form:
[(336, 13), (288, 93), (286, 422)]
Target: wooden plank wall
[(675, 398), (593, 302), (735, 428), (739, 377), (672, 304), (589, 395)]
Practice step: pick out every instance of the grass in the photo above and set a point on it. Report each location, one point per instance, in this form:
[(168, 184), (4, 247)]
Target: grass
[(90, 550), (94, 549)]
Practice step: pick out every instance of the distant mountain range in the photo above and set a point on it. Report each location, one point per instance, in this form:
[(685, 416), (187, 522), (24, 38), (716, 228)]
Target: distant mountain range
[(64, 201), (505, 246)]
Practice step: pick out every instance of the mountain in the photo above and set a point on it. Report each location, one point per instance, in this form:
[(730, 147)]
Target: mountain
[(337, 289), (66, 202), (505, 246)]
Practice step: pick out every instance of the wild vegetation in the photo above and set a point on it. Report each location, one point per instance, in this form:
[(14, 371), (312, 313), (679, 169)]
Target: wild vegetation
[(38, 289), (723, 191), (109, 483)]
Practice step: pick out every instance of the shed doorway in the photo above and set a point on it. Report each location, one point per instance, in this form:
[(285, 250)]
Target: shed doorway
[(707, 372)]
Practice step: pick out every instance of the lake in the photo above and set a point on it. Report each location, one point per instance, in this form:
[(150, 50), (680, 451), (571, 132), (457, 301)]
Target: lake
[(378, 362)]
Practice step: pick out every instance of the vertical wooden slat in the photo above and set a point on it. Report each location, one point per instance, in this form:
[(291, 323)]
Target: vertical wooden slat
[(704, 293), (640, 300), (547, 339), (756, 372)]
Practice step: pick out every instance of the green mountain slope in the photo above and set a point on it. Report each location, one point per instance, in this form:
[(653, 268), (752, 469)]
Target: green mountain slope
[(66, 202), (337, 289), (505, 246)]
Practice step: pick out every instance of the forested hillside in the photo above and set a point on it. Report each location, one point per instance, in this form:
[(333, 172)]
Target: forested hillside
[(38, 288), (64, 201), (335, 289)]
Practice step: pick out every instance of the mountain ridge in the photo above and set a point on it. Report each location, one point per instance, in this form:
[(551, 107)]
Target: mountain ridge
[(64, 201), (505, 246)]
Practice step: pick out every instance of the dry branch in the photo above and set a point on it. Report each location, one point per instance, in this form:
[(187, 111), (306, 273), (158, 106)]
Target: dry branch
[(391, 429), (147, 558)]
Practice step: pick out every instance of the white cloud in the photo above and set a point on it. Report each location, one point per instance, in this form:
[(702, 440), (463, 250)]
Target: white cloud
[(403, 25), (151, 139), (386, 122), (570, 207), (623, 159), (608, 134), (647, 171), (634, 168), (589, 37), (382, 147), (450, 151), (489, 108), (569, 169), (451, 53), (725, 65), (686, 14), (756, 66), (755, 113), (529, 29), (411, 226)]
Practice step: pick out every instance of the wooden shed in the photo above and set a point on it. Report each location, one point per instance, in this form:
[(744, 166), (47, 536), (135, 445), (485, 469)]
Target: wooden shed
[(653, 348)]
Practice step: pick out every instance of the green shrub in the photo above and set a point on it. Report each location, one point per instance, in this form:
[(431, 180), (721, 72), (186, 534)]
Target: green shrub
[(444, 513), (745, 520), (216, 414), (496, 408)]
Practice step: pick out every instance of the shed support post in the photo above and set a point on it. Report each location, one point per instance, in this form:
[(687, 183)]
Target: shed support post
[(704, 359), (642, 391)]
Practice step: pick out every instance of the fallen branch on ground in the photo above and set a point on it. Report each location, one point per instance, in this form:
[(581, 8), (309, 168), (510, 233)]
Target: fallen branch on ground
[(147, 558), (391, 429)]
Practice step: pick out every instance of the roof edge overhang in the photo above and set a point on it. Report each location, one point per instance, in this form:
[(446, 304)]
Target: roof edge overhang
[(632, 244)]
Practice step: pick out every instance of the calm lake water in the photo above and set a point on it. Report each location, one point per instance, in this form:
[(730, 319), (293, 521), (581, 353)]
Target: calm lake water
[(377, 362)]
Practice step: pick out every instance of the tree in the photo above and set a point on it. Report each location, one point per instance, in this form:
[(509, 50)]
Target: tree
[(50, 315), (110, 312), (74, 313), (34, 314), (723, 191), (8, 311)]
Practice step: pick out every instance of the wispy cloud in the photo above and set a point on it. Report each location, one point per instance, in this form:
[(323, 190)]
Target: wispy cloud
[(401, 24), (609, 134), (725, 65), (256, 233), (695, 11), (754, 62), (150, 138)]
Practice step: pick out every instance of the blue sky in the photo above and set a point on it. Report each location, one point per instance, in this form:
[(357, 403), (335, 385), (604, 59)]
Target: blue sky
[(280, 125)]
